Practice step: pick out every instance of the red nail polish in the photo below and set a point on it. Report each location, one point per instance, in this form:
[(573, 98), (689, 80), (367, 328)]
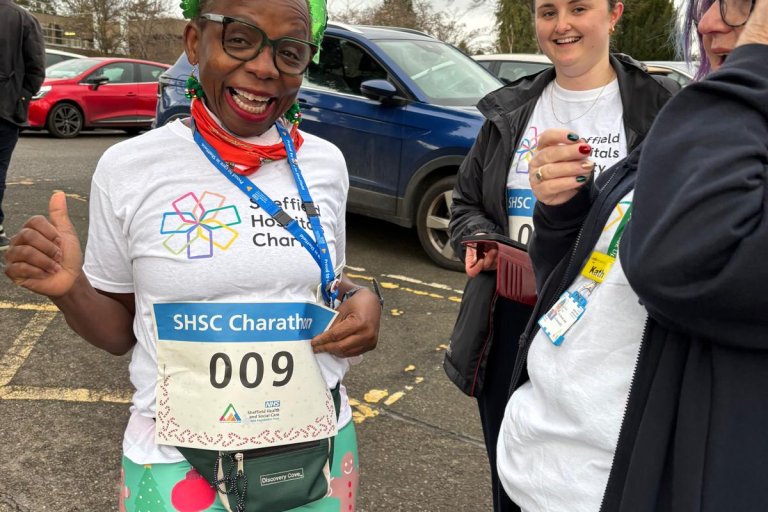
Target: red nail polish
[(585, 149)]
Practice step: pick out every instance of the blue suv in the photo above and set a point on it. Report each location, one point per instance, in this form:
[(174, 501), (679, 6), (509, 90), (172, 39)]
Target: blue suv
[(401, 107)]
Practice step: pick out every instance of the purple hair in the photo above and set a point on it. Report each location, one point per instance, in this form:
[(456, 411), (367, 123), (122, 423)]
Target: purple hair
[(689, 35)]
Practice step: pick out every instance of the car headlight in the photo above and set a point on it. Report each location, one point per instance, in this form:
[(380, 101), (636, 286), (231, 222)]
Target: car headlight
[(42, 92)]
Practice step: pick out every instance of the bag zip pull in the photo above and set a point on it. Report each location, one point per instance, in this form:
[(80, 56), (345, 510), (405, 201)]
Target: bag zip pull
[(239, 458)]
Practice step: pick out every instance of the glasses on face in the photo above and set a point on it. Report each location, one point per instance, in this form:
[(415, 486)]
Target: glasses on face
[(244, 42), (734, 13)]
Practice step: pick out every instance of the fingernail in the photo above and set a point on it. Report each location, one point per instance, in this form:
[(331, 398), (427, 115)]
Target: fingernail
[(587, 164), (581, 179), (573, 137), (585, 149)]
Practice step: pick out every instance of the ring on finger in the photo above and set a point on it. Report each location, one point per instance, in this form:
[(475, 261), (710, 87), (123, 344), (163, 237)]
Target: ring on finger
[(539, 176)]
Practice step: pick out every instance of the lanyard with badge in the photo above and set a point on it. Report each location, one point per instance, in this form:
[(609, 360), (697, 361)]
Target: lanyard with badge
[(243, 375), (571, 305), (318, 247)]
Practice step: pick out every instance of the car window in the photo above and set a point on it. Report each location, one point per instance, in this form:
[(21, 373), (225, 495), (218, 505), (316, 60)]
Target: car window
[(117, 72), (512, 71), (149, 73), (52, 58), (445, 75), (70, 68), (343, 66), (485, 63)]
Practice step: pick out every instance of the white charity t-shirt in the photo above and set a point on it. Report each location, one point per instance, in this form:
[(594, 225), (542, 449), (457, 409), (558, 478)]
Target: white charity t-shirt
[(147, 186), (560, 428), (597, 117)]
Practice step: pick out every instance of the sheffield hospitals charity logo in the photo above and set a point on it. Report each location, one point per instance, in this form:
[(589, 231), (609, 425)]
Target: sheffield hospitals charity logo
[(528, 145), (197, 225)]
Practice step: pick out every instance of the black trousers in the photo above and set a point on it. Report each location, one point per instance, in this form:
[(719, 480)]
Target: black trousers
[(9, 135), (509, 321)]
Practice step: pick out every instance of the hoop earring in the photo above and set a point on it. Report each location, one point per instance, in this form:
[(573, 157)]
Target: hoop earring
[(193, 87)]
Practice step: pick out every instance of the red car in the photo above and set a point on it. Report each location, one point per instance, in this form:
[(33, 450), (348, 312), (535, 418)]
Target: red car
[(80, 94)]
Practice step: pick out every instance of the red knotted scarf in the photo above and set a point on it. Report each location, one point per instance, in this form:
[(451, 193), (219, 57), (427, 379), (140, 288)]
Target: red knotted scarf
[(249, 157)]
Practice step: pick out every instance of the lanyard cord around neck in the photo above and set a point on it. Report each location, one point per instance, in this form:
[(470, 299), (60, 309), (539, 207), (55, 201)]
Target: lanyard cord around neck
[(318, 247)]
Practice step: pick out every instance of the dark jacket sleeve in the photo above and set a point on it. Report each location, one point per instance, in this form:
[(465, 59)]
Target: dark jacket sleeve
[(468, 214), (695, 250), (34, 57), (555, 229)]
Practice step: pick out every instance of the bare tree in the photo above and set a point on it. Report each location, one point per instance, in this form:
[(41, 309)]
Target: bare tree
[(100, 18), (146, 27), (415, 14)]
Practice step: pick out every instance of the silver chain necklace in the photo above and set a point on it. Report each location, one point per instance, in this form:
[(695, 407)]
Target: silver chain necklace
[(552, 104)]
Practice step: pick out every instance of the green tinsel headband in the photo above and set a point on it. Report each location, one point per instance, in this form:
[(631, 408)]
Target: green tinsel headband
[(317, 14)]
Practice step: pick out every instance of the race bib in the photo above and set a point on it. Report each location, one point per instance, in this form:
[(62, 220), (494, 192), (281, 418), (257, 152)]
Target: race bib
[(240, 375)]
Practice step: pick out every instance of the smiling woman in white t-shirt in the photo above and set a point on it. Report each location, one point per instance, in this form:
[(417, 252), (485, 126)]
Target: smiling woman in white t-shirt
[(215, 253), (610, 102)]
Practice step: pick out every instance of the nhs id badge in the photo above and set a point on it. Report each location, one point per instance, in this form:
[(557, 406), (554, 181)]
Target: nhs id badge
[(566, 312)]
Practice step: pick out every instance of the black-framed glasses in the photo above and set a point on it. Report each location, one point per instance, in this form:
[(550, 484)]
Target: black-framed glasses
[(244, 41), (734, 13)]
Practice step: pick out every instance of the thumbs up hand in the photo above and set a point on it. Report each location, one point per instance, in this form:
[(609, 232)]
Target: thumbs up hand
[(45, 255)]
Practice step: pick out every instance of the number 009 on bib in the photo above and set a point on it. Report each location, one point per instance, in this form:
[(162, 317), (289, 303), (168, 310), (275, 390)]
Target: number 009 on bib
[(240, 375)]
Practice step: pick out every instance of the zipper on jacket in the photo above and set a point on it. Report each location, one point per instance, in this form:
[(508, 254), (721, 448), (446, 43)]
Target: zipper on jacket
[(275, 450), (491, 313), (643, 343)]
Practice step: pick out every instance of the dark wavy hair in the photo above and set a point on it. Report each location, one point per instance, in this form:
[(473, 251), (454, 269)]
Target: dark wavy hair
[(689, 36)]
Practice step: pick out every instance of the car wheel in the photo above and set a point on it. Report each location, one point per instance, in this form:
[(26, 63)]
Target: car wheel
[(64, 121), (432, 219)]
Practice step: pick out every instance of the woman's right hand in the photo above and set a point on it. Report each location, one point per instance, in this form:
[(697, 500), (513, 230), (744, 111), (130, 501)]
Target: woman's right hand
[(559, 167), (45, 255)]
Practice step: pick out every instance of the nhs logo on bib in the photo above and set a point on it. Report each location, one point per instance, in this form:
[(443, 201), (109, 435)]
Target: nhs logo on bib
[(520, 203)]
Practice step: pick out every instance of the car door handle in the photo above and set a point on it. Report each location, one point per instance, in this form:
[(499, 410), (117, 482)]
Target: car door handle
[(131, 94)]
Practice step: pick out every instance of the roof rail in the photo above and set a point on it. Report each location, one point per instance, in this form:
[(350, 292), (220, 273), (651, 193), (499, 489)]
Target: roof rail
[(403, 29), (345, 26)]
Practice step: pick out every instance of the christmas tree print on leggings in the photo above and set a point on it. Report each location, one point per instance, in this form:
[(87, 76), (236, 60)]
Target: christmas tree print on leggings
[(148, 497)]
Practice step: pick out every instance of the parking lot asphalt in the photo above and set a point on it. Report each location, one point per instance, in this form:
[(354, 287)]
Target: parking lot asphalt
[(64, 404)]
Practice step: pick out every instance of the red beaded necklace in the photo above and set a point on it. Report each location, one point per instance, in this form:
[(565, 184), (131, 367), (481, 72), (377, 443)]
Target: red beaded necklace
[(249, 157)]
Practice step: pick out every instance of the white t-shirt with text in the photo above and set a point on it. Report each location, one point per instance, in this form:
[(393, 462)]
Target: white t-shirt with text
[(596, 115), (149, 191), (561, 427)]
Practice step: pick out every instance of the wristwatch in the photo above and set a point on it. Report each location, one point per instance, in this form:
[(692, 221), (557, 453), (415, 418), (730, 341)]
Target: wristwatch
[(376, 290)]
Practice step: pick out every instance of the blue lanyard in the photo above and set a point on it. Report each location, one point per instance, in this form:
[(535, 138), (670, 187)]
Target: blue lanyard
[(318, 247)]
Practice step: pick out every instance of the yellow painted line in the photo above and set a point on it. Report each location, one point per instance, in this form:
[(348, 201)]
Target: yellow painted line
[(356, 269), (359, 276), (77, 197), (375, 395), (394, 398), (395, 286), (28, 307), (64, 394), (412, 280), (23, 345)]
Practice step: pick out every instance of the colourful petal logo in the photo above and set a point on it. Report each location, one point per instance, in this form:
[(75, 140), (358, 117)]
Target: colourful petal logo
[(528, 145), (197, 225)]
